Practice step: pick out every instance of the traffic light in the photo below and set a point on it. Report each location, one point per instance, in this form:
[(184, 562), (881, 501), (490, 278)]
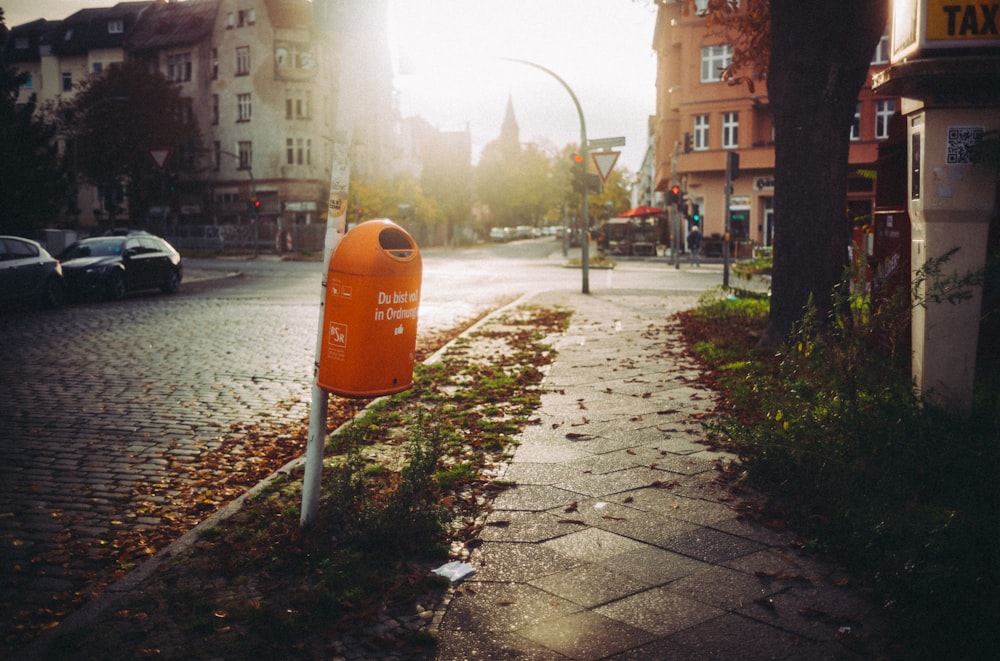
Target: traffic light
[(687, 143), (696, 214), (578, 174), (733, 165), (582, 181), (682, 202), (674, 195), (254, 205)]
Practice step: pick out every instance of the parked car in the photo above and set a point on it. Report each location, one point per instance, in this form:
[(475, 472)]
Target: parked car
[(29, 273), (110, 266)]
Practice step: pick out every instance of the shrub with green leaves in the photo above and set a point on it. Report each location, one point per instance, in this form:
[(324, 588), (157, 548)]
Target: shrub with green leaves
[(830, 426)]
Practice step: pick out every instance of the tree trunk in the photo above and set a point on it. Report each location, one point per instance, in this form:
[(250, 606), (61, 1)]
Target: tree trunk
[(820, 53)]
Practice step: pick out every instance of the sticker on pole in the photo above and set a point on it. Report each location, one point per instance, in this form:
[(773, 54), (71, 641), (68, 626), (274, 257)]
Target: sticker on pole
[(605, 162)]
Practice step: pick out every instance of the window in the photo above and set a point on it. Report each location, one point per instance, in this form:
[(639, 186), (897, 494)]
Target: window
[(179, 67), (245, 150), (230, 21), (884, 111), (29, 83), (67, 81), (882, 51), (713, 60), (856, 124), (701, 132), (730, 130), (243, 61), (96, 68), (294, 56), (701, 6), (298, 151), (215, 109), (116, 26), (243, 107), (297, 104), (216, 155), (187, 110), (214, 63), (246, 17)]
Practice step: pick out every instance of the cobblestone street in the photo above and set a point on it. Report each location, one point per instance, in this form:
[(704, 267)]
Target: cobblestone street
[(102, 401)]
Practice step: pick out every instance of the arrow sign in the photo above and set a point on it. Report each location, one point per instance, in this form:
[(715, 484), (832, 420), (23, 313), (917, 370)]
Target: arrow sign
[(605, 161), (160, 157)]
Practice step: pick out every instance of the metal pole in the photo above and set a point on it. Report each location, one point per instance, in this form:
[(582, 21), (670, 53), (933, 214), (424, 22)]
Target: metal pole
[(728, 229), (336, 226), (674, 215), (584, 152), (253, 196)]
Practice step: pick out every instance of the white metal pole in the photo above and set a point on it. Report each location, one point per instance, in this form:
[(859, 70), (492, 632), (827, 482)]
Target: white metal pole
[(336, 226)]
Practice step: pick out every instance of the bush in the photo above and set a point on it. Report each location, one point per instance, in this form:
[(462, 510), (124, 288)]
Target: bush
[(905, 495)]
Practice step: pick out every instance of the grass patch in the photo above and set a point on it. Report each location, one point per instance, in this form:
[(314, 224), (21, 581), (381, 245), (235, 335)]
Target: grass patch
[(903, 494)]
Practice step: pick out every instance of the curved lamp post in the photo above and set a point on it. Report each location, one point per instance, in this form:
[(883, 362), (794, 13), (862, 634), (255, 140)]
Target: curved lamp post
[(584, 152), (253, 195)]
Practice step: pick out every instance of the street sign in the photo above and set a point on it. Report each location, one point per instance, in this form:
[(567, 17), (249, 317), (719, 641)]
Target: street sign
[(605, 161), (606, 143), (160, 157)]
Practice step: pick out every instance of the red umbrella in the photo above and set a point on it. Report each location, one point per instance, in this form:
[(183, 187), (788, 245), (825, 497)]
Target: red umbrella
[(638, 212)]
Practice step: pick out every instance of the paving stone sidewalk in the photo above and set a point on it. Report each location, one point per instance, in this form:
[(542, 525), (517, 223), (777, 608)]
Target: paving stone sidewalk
[(617, 540)]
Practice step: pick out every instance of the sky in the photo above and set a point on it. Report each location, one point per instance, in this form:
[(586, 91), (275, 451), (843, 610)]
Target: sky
[(454, 74)]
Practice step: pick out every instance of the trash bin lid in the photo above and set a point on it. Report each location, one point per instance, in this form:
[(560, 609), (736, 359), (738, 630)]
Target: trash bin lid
[(376, 246)]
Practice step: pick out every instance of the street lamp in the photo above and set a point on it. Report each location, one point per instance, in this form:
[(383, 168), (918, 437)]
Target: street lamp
[(584, 205), (253, 197)]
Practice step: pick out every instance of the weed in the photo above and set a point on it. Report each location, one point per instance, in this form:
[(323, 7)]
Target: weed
[(905, 495)]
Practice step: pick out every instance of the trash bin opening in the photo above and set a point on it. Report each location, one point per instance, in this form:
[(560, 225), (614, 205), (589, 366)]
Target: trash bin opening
[(396, 242)]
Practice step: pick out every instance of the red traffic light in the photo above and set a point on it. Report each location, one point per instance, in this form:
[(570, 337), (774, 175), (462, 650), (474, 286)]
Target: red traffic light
[(577, 158)]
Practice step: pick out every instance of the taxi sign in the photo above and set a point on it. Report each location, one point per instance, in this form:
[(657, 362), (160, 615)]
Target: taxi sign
[(942, 25)]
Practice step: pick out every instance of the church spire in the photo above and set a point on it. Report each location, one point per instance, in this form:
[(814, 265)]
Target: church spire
[(510, 134)]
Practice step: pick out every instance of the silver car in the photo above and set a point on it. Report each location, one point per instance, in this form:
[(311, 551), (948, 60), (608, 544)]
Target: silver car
[(29, 273)]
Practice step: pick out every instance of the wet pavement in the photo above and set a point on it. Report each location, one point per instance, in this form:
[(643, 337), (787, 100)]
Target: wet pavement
[(617, 540)]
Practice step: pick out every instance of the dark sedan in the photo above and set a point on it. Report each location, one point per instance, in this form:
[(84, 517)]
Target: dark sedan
[(110, 266), (29, 273)]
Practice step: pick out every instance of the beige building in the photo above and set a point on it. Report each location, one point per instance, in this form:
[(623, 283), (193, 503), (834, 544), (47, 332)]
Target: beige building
[(261, 77), (701, 119)]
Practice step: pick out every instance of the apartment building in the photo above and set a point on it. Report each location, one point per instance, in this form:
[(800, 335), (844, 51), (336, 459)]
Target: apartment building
[(261, 77), (700, 119)]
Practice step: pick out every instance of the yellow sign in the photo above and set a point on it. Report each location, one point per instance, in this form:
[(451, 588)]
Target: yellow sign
[(942, 25), (949, 20)]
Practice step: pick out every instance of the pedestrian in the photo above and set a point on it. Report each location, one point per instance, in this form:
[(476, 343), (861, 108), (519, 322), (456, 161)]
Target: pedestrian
[(694, 245)]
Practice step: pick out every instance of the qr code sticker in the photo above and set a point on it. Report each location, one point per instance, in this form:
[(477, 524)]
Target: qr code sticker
[(960, 142)]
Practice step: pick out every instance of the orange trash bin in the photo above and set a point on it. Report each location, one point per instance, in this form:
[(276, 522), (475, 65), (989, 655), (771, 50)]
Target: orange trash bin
[(370, 312)]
